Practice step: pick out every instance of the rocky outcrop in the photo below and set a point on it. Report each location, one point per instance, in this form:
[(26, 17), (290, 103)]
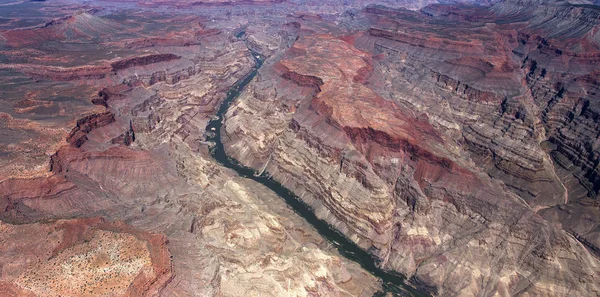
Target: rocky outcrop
[(143, 61), (85, 125), (301, 80)]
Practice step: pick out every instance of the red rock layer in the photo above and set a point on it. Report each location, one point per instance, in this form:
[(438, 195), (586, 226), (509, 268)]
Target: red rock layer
[(142, 61), (85, 125)]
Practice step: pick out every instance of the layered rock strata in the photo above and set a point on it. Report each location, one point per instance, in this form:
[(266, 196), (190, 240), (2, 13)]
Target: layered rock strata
[(135, 153), (455, 144), (416, 143)]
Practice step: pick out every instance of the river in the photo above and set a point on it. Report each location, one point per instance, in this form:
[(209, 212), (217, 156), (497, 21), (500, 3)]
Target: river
[(392, 282)]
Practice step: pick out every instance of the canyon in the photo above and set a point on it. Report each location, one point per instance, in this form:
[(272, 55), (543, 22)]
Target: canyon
[(299, 148)]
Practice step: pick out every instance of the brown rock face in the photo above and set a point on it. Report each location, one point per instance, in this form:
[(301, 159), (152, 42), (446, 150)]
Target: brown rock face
[(142, 61), (85, 125)]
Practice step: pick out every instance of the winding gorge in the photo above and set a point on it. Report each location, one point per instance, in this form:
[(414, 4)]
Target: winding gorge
[(299, 148)]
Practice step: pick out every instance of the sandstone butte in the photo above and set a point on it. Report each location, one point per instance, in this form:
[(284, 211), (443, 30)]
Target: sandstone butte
[(456, 144)]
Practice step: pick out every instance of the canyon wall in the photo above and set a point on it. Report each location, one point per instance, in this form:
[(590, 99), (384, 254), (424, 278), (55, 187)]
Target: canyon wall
[(443, 142)]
